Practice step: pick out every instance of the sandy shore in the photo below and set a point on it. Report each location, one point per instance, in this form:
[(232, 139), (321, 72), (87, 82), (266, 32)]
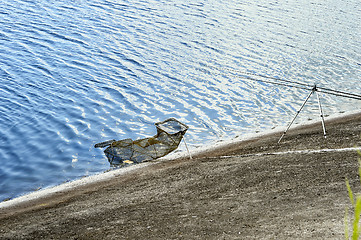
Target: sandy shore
[(250, 189)]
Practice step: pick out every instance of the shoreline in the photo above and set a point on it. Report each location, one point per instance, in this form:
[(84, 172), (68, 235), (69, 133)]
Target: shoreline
[(250, 137), (248, 189), (213, 148)]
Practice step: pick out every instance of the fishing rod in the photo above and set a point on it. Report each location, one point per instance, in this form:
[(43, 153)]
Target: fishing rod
[(276, 83), (307, 87), (294, 84), (339, 93), (248, 74)]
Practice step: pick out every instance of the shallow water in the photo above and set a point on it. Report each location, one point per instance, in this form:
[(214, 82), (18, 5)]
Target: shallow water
[(74, 73)]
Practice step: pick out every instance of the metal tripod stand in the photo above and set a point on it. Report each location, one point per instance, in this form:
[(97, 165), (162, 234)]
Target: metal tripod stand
[(314, 90)]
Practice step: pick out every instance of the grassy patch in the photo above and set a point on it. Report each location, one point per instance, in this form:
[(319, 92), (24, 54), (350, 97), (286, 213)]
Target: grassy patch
[(356, 205)]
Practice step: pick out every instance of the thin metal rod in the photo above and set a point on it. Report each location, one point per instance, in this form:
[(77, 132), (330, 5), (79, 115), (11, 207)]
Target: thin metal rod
[(321, 114), (190, 156), (289, 125)]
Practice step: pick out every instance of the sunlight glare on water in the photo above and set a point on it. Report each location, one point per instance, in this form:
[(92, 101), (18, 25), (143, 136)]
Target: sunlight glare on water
[(74, 73)]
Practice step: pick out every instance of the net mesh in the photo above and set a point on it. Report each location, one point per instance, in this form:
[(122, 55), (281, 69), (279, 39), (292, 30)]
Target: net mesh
[(169, 134)]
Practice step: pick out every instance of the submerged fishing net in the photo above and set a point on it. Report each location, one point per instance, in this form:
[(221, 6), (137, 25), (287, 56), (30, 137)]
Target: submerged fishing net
[(169, 134)]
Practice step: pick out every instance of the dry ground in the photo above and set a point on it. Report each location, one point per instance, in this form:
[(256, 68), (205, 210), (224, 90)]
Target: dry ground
[(242, 196)]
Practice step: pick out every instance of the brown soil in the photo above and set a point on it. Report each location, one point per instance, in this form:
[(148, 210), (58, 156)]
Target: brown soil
[(243, 196)]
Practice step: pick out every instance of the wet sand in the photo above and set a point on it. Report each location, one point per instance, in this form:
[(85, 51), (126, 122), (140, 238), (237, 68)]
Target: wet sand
[(251, 189)]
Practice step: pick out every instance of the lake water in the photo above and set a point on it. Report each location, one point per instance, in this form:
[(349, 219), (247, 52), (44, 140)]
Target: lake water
[(74, 73)]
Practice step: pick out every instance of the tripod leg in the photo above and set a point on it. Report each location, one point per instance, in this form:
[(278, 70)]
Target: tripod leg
[(289, 125), (321, 114)]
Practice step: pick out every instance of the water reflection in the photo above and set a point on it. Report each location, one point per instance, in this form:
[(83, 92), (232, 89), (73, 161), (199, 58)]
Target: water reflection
[(73, 73)]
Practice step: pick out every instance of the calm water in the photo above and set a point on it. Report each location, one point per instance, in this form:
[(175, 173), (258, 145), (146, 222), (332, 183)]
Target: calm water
[(74, 73)]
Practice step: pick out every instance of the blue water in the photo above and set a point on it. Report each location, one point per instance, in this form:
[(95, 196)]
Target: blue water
[(74, 73)]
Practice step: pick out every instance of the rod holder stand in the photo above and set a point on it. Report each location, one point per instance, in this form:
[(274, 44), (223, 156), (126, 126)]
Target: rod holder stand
[(314, 90)]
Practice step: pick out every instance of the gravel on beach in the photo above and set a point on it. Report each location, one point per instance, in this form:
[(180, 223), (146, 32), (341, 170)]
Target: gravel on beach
[(252, 189)]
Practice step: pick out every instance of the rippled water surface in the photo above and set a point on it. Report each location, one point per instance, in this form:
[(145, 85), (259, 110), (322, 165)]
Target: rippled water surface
[(74, 73)]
